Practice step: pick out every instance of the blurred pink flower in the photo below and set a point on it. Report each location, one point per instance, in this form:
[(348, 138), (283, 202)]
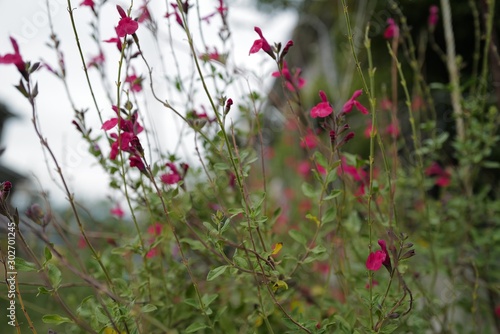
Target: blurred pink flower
[(309, 141), (352, 102), (14, 58), (135, 82), (392, 30), (433, 16), (88, 3), (291, 82), (117, 211), (443, 177)]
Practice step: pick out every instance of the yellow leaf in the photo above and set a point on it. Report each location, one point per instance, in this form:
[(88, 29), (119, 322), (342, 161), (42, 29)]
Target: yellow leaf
[(277, 248)]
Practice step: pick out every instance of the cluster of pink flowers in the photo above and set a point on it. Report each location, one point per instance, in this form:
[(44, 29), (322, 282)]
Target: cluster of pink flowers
[(126, 140)]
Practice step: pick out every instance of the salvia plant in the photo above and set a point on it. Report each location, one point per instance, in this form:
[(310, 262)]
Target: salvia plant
[(268, 226)]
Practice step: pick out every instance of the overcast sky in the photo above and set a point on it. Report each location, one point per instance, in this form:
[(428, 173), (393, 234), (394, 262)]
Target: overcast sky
[(27, 21)]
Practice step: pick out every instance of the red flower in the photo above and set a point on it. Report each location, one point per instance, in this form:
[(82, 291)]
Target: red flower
[(353, 103), (220, 10), (14, 58), (392, 30), (126, 25), (261, 43), (144, 13), (89, 3), (369, 129), (375, 260), (497, 311), (304, 168), (117, 211), (433, 16), (323, 108)]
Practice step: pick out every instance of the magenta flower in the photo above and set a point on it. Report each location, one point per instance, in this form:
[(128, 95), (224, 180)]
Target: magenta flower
[(136, 161), (117, 211), (375, 260), (443, 177), (96, 61), (178, 17), (135, 82), (14, 58), (323, 108), (172, 177), (353, 103), (392, 30), (310, 140), (88, 3), (433, 16), (387, 261), (126, 25), (117, 42), (261, 43), (291, 82)]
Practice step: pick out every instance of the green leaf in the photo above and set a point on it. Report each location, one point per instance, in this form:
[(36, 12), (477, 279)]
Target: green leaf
[(216, 272), (194, 327), (333, 194), (48, 254), (23, 265), (192, 302), (309, 190), (318, 249), (208, 299), (54, 275), (55, 319), (148, 308), (221, 166), (298, 236), (329, 215)]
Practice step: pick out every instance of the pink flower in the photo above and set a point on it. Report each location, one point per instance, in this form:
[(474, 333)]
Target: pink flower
[(353, 103), (304, 168), (155, 229), (261, 43), (375, 260), (320, 169), (497, 311), (117, 211), (374, 283), (126, 25), (178, 17), (88, 3), (291, 82), (310, 140), (82, 244), (392, 130), (433, 16), (153, 252), (212, 56), (115, 40), (173, 177), (136, 161), (144, 14), (443, 177), (135, 82), (96, 61), (14, 58), (368, 130), (385, 104), (387, 261), (218, 10), (392, 30), (323, 108)]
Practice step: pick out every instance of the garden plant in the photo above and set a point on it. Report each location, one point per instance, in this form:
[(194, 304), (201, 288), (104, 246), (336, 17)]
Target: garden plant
[(371, 209)]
